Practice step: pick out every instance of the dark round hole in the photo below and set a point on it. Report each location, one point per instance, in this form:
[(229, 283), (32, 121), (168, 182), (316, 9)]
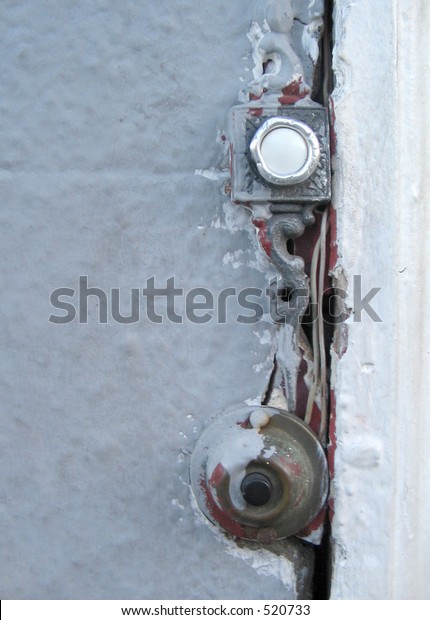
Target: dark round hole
[(256, 489)]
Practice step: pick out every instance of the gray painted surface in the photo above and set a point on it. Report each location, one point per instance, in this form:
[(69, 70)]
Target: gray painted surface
[(107, 110)]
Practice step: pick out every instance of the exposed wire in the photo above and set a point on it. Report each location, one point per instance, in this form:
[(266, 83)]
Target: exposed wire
[(321, 339), (318, 266), (315, 340)]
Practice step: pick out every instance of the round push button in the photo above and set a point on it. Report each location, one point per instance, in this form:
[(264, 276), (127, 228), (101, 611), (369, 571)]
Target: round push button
[(285, 151)]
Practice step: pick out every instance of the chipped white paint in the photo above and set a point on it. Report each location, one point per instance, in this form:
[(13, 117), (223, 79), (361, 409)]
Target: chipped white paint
[(264, 562), (242, 447), (267, 454), (265, 337), (310, 37), (268, 564), (381, 526), (213, 174), (235, 259)]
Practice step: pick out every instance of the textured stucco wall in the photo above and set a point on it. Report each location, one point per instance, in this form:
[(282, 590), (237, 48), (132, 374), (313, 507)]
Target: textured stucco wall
[(107, 110)]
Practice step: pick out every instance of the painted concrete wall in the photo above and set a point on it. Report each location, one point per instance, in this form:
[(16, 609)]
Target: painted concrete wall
[(107, 111), (381, 526)]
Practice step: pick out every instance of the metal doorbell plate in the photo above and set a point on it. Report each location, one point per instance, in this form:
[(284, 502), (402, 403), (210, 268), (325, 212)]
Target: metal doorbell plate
[(280, 154)]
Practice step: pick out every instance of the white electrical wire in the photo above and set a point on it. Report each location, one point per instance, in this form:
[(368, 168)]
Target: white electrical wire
[(315, 340), (321, 340), (318, 342)]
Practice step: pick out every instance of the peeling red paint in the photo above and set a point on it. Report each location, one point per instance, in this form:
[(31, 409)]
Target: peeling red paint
[(217, 475), (265, 242), (218, 514), (314, 525), (255, 111), (244, 424), (315, 422), (293, 92)]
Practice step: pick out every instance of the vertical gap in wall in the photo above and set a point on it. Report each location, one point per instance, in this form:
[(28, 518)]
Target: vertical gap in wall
[(325, 81)]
